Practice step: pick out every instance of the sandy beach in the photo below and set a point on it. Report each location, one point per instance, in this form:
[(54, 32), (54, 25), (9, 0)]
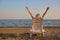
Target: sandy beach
[(51, 32)]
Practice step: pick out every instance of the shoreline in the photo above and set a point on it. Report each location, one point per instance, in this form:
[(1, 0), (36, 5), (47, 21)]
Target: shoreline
[(29, 27)]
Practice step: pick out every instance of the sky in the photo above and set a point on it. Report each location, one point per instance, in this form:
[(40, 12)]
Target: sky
[(15, 9)]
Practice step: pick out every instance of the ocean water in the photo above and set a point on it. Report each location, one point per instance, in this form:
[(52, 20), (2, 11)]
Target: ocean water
[(26, 22)]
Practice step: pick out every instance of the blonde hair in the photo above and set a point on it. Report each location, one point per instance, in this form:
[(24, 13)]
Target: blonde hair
[(37, 15)]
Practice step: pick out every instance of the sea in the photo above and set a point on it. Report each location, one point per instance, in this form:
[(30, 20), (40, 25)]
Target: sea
[(27, 22)]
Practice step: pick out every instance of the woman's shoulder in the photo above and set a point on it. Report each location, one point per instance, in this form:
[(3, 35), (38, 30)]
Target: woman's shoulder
[(37, 18)]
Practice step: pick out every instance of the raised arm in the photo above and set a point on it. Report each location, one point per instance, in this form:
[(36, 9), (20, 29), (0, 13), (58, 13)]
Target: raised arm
[(29, 11), (45, 12)]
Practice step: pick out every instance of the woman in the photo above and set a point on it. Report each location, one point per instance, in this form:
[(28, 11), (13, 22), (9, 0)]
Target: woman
[(37, 21)]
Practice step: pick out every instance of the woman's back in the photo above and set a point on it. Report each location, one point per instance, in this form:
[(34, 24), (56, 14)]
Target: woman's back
[(37, 23)]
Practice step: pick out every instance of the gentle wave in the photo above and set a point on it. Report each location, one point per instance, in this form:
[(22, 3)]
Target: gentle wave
[(22, 22)]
